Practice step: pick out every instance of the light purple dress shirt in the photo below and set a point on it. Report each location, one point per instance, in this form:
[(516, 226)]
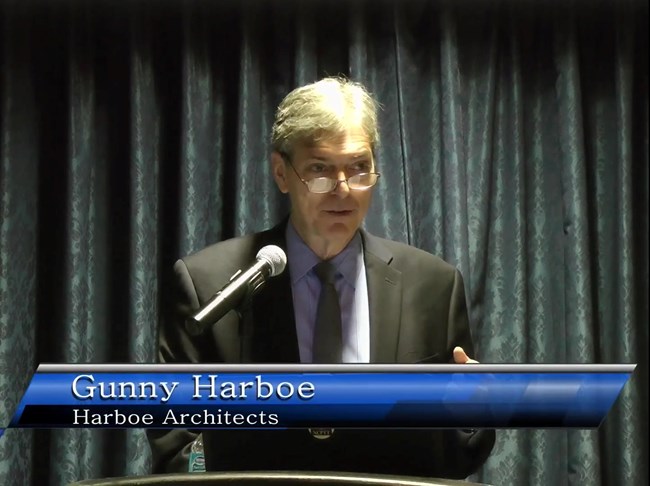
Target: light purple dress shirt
[(351, 286)]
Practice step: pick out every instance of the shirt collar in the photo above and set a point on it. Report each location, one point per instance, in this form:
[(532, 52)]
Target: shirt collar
[(302, 259)]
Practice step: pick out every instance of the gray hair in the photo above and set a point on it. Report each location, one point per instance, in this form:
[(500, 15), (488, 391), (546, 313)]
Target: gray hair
[(323, 110)]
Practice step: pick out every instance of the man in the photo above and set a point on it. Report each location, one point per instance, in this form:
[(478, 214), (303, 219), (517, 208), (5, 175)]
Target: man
[(392, 303)]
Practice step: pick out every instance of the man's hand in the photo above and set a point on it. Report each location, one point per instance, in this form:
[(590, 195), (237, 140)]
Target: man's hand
[(460, 357)]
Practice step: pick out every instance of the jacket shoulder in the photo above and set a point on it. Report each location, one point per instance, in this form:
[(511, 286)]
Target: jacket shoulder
[(217, 250), (221, 252), (408, 258)]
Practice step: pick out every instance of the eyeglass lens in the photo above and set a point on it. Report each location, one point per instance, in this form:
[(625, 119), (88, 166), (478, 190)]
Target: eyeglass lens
[(358, 182)]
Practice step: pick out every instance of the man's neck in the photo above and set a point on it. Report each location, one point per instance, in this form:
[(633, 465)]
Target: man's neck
[(323, 248), (327, 249)]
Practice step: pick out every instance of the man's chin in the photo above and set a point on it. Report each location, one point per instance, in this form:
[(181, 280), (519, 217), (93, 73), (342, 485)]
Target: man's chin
[(340, 230)]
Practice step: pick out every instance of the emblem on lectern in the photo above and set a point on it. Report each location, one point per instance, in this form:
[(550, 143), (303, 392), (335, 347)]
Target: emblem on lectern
[(321, 433)]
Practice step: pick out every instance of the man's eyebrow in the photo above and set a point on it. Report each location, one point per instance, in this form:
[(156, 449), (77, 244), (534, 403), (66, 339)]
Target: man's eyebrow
[(358, 155)]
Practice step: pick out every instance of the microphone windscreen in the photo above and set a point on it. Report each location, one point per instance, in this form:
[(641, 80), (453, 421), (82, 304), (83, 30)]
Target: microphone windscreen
[(276, 258)]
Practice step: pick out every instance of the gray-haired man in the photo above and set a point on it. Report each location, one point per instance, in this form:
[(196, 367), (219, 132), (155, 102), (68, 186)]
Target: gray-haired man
[(393, 303)]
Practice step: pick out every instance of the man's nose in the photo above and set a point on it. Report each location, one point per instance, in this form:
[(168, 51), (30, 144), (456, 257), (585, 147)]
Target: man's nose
[(342, 189)]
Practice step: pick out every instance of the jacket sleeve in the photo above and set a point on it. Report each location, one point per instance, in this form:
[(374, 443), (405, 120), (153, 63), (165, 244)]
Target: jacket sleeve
[(468, 449)]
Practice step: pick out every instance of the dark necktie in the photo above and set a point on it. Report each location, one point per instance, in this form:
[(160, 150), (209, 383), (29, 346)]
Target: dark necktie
[(328, 343)]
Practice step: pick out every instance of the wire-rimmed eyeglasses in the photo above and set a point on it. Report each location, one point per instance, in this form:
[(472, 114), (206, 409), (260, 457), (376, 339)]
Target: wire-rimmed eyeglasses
[(323, 185)]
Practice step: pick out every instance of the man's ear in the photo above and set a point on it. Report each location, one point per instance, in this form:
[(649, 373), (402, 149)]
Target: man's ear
[(279, 169)]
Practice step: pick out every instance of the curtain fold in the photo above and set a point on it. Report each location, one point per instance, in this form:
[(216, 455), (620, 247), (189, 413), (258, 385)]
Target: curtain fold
[(19, 256), (514, 145)]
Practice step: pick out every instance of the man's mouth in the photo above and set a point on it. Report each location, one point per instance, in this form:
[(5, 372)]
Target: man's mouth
[(339, 212)]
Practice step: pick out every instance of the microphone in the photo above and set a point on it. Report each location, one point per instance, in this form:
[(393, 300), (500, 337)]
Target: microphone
[(269, 262)]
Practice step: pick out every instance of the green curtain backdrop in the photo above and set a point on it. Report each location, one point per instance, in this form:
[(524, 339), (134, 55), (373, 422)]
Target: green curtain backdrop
[(515, 145)]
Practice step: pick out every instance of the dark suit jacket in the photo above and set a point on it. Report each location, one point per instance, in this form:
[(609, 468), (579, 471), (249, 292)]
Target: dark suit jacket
[(418, 314)]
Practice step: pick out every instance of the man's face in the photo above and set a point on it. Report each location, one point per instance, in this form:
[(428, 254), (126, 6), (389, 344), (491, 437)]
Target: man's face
[(327, 222)]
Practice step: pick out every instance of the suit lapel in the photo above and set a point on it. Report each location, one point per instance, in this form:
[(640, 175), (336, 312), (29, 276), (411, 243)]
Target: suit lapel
[(274, 336), (384, 300), (275, 339)]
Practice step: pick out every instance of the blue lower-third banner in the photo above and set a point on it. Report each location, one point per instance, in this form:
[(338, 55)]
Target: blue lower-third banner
[(290, 396)]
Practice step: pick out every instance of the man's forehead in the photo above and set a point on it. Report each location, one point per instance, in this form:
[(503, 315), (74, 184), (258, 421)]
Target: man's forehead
[(351, 146), (326, 153)]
